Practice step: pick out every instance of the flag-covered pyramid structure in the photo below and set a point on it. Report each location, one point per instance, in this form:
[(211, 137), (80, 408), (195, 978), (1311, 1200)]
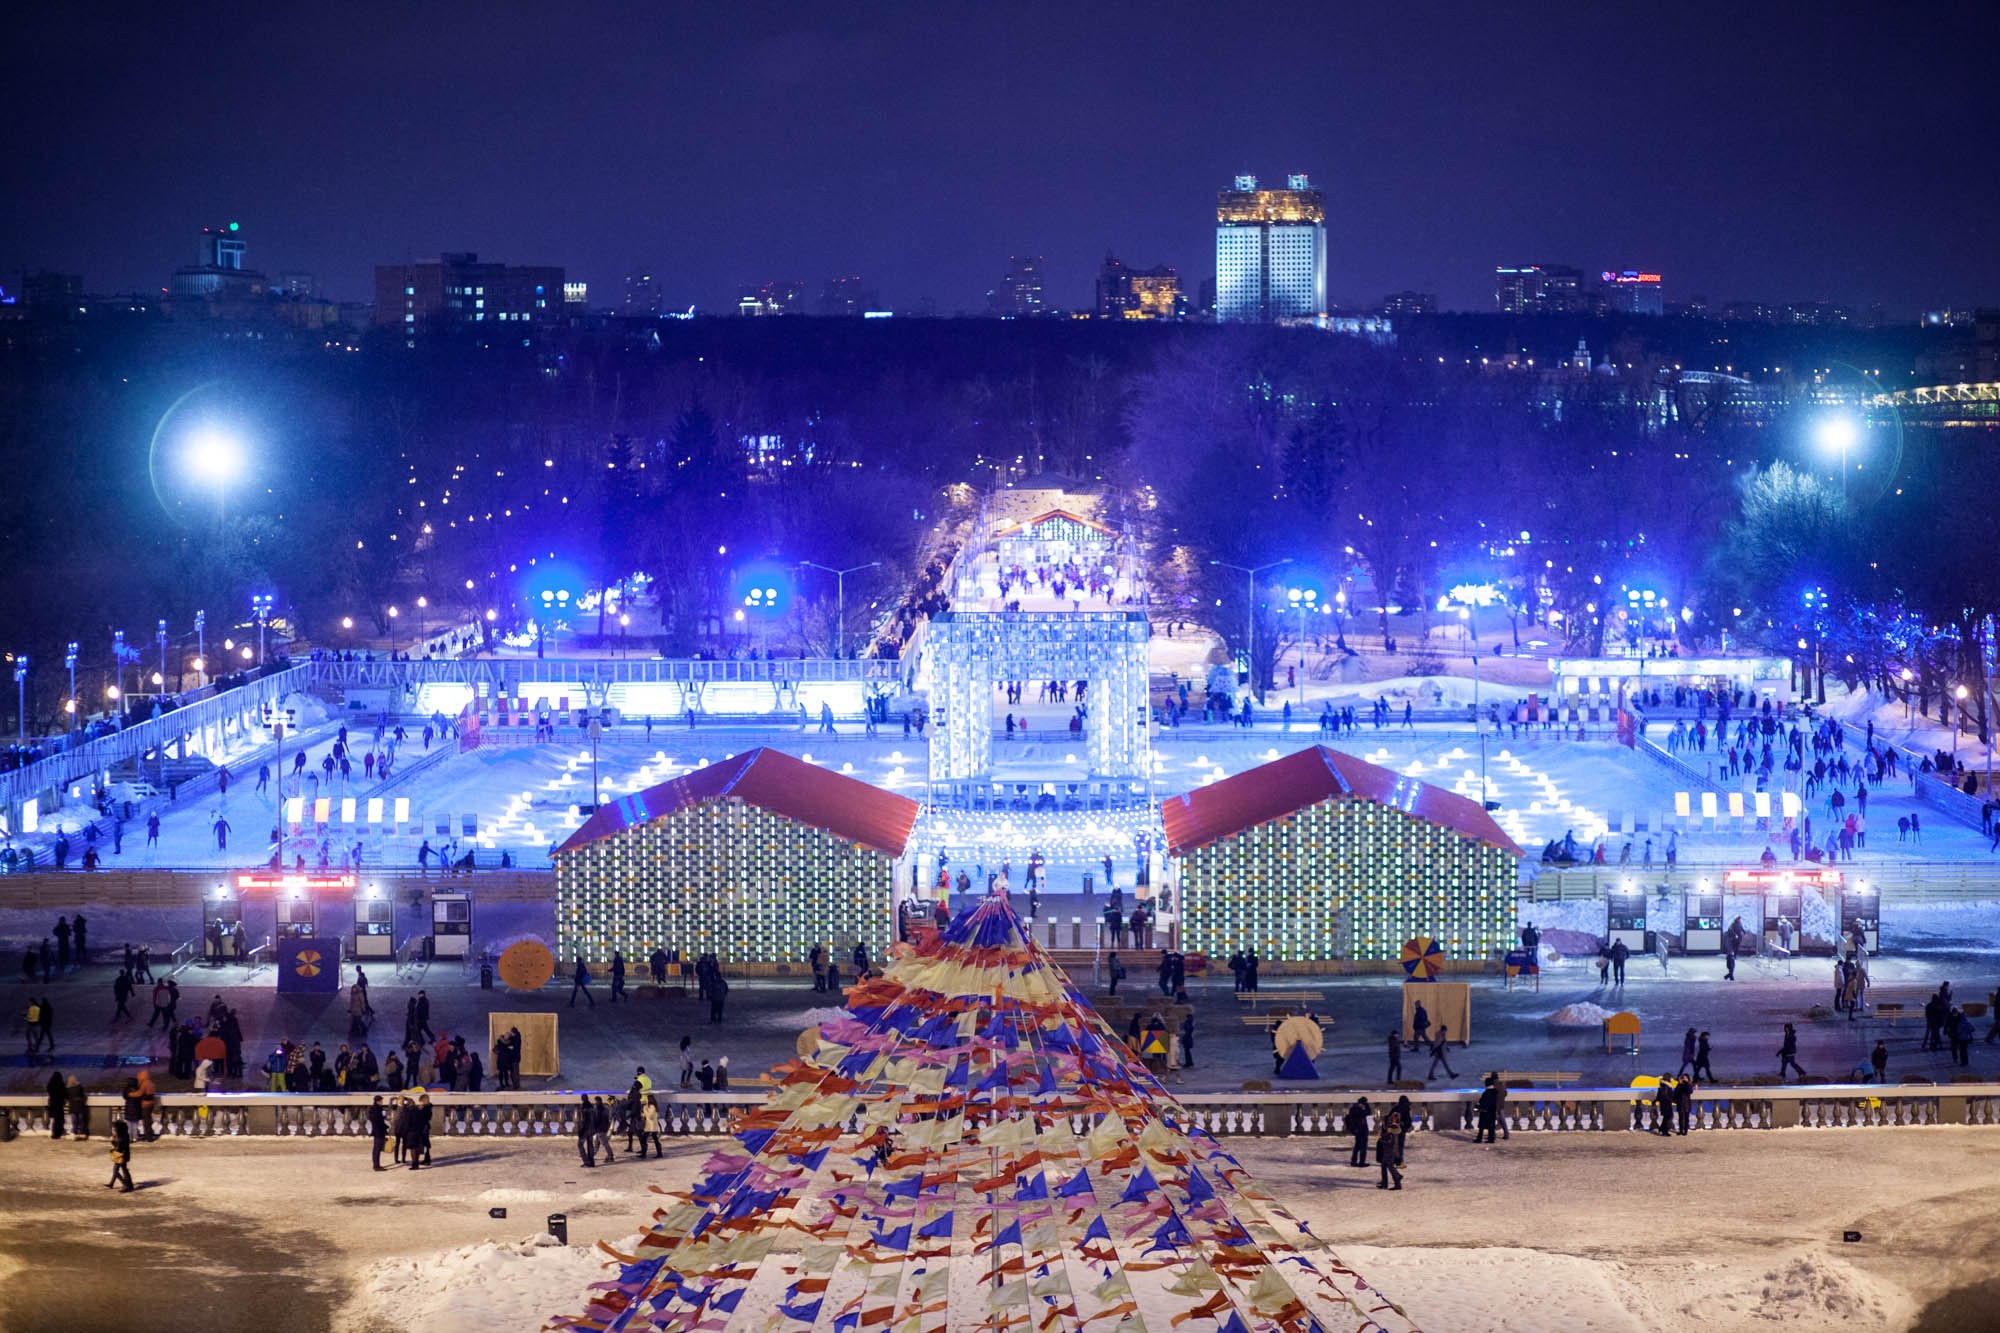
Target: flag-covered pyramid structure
[(969, 1146)]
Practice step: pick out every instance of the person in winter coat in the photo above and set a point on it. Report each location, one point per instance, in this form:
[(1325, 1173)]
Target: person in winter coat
[(1689, 1043), (586, 1131), (420, 1132), (1489, 1111), (121, 1157), (1663, 1106), (79, 1109), (1389, 1152), (1878, 1061), (649, 1128), (1701, 1054), (1619, 953), (1420, 1027), (1440, 1054), (378, 1132), (601, 1137), (1117, 971), (58, 1105), (1355, 1123), (1683, 1104), (1395, 1057), (1788, 1051)]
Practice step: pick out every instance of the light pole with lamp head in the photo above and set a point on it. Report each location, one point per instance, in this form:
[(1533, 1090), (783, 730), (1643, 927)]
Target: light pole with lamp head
[(69, 661), (1958, 694), (840, 600), (423, 605), (1250, 614), (1303, 600), (161, 637), (260, 606), (394, 614), (21, 693), (201, 644), (554, 601), (1838, 434)]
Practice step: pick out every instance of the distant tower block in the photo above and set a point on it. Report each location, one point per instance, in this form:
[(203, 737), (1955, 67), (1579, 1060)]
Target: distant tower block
[(971, 651)]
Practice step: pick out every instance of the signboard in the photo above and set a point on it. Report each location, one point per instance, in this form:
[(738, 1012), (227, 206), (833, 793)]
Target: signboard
[(286, 881), (308, 965)]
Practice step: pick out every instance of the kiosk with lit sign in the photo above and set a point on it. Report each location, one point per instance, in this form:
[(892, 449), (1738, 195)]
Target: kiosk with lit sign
[(1701, 931), (374, 924), (1625, 919), (1782, 894), (451, 925), (1861, 909)]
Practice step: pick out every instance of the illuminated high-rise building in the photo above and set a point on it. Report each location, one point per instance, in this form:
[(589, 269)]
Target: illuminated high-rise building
[(1270, 251), (1631, 292), (1019, 294), (1124, 292)]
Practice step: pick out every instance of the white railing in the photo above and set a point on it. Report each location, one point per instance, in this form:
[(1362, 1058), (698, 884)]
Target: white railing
[(548, 1115)]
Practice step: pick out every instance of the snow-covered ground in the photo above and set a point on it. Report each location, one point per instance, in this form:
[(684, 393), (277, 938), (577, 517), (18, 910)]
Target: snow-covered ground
[(1724, 1231)]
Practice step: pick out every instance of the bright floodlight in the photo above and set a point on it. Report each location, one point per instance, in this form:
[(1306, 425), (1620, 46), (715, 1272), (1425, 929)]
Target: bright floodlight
[(1837, 434), (215, 456)]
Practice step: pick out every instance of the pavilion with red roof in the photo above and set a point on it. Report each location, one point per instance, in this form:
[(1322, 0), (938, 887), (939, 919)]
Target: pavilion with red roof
[(1321, 857), (757, 859)]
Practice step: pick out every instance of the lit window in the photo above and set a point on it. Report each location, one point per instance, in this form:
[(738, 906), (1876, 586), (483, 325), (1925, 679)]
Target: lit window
[(409, 291)]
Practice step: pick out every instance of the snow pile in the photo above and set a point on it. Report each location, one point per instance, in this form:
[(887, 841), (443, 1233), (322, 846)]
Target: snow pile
[(510, 1284), (1582, 1014), (1496, 1290), (812, 1018), (600, 1196), (512, 1196), (1813, 1288)]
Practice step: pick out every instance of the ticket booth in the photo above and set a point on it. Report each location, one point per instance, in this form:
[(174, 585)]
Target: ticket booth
[(1782, 893), (451, 925), (1625, 919), (374, 924), (221, 915), (1861, 906), (296, 913), (1701, 929)]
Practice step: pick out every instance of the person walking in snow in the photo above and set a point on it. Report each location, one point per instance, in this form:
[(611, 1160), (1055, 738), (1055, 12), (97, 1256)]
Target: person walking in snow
[(1389, 1151), (1439, 1053), (1788, 1051)]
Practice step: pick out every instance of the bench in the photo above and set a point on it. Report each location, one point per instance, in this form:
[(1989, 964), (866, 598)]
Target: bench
[(1254, 998), (1894, 1013), (1268, 1022), (1528, 1077)]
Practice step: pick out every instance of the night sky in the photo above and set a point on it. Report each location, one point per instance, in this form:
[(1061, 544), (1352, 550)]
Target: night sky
[(1773, 152)]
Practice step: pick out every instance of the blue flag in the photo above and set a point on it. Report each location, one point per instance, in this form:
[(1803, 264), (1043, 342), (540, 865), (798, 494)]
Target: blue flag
[(938, 1228), (1077, 1186)]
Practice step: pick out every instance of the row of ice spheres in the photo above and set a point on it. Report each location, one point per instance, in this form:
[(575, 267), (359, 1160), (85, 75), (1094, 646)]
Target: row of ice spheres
[(1549, 799), (517, 823)]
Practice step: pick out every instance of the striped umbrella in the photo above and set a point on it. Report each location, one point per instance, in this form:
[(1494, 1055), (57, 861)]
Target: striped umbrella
[(1423, 958)]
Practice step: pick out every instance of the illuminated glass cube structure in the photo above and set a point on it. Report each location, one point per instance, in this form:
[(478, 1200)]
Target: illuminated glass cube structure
[(757, 859), (1321, 856), (971, 651)]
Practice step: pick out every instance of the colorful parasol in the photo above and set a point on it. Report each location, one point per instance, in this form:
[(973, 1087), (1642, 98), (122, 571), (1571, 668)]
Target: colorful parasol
[(1423, 958)]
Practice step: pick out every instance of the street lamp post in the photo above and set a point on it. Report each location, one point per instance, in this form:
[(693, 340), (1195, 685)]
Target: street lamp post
[(1303, 600), (423, 604), (840, 600), (260, 605), (201, 644), (1958, 694), (1838, 433), (1250, 615), (118, 667), (393, 614), (69, 661), (161, 637), (21, 693)]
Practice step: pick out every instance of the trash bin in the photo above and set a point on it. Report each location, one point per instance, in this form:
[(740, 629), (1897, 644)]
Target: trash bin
[(486, 974), (559, 1227), (429, 951), (7, 1130), (1089, 884)]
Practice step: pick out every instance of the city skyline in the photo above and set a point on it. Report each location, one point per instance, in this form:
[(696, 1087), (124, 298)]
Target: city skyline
[(718, 153)]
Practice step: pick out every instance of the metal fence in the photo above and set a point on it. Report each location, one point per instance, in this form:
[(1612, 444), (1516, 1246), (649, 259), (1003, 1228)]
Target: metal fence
[(1910, 881), (503, 675), (1252, 1113), (105, 753)]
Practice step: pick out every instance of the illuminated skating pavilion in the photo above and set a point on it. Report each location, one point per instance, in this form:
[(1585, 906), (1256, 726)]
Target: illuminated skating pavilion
[(756, 858), (1323, 857)]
